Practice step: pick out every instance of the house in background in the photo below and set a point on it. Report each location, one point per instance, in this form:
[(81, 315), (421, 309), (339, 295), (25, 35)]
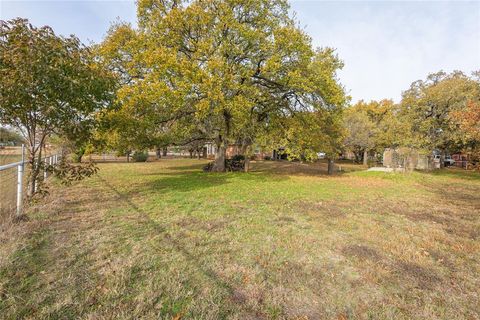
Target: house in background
[(210, 150), (463, 160)]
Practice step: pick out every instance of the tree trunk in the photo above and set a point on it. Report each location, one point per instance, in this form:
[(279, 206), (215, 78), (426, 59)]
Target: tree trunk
[(219, 164), (331, 165), (247, 164), (158, 153), (246, 154), (442, 159), (32, 176), (128, 156), (431, 163), (198, 154), (365, 157), (164, 151), (34, 160), (245, 151), (357, 155), (78, 154)]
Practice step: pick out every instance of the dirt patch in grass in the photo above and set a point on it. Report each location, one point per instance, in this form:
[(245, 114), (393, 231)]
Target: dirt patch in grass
[(216, 224), (320, 209), (451, 221), (408, 272), (362, 252), (426, 278), (187, 222), (442, 259), (469, 232), (366, 182), (465, 194), (424, 216), (284, 220)]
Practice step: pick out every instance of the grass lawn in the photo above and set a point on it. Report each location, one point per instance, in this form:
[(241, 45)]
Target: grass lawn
[(165, 240)]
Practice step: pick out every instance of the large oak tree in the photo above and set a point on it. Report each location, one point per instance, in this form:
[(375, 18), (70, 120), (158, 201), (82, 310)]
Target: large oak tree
[(225, 71)]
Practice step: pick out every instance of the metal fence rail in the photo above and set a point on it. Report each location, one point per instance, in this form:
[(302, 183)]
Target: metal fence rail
[(13, 184)]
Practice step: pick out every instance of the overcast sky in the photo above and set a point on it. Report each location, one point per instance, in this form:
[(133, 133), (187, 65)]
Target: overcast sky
[(385, 45)]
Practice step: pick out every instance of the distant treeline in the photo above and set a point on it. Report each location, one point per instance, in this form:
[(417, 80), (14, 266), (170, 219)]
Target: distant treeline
[(9, 137)]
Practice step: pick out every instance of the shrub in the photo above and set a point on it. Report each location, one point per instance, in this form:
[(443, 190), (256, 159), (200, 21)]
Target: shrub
[(230, 165), (235, 165), (140, 156), (121, 153), (238, 157), (208, 167)]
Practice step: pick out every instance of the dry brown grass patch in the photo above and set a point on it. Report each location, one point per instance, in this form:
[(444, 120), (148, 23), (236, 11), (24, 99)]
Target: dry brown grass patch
[(426, 278), (321, 209), (362, 252)]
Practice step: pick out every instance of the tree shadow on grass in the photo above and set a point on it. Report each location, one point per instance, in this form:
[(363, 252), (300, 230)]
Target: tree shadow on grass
[(465, 193), (208, 273), (287, 168), (281, 167), (270, 169), (194, 167), (187, 181)]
